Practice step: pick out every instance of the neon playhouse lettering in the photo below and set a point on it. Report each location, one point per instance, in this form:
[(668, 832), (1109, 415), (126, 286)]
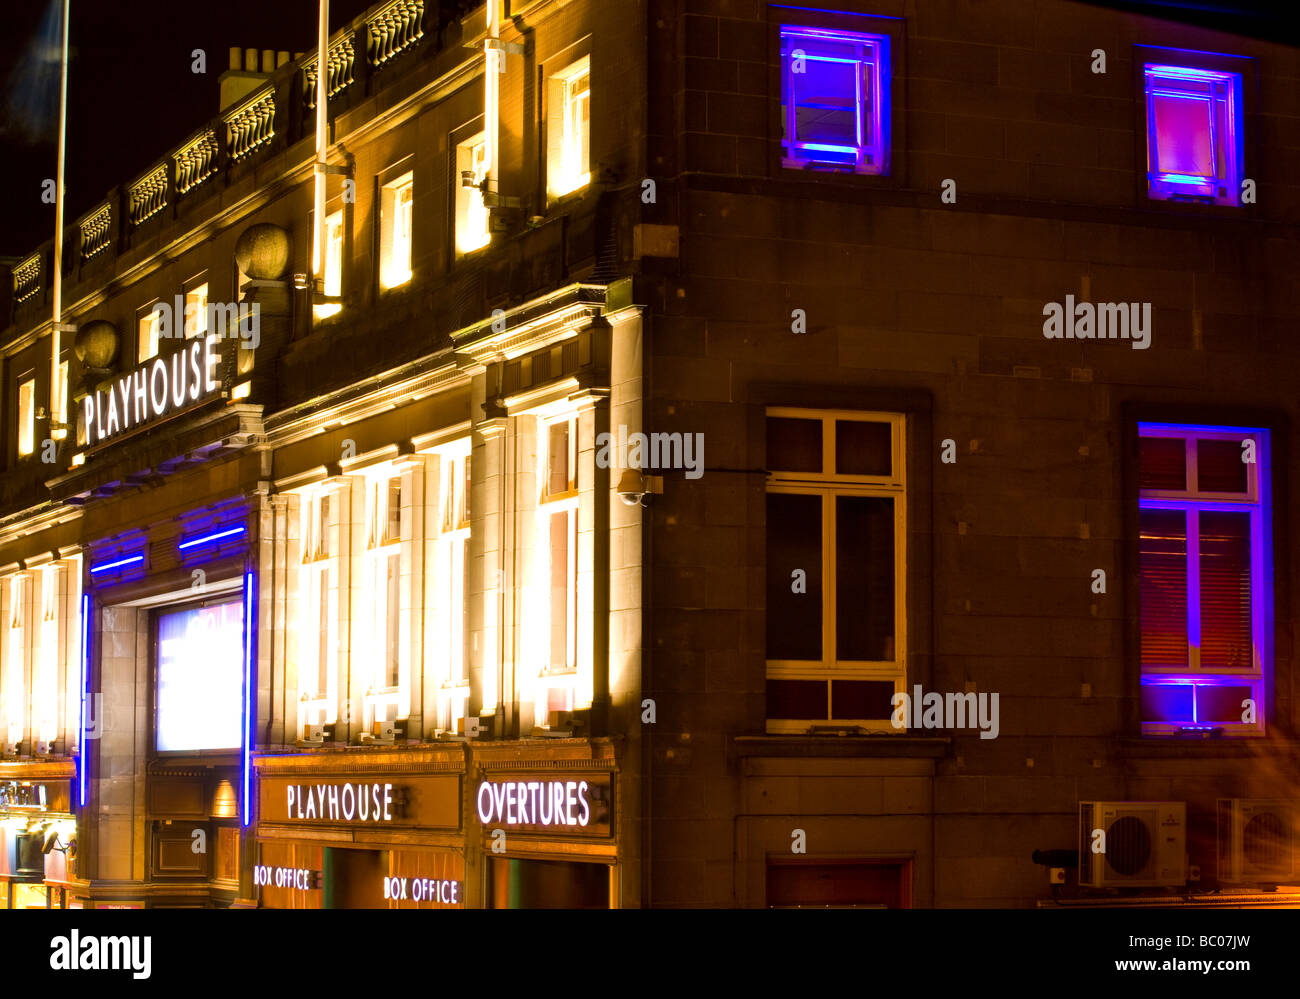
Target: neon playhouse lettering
[(153, 389), (535, 802), (340, 802), (422, 890)]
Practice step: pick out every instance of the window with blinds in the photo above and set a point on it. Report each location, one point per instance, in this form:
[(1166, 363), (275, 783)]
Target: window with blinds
[(1204, 578)]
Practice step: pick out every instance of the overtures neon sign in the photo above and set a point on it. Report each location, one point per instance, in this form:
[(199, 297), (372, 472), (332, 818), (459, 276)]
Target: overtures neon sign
[(153, 390), (535, 802)]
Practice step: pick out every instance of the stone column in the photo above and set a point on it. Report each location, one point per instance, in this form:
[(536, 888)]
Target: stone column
[(490, 692)]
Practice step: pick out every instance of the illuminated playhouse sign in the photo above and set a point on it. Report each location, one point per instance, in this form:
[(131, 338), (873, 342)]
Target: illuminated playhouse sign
[(343, 802), (155, 389)]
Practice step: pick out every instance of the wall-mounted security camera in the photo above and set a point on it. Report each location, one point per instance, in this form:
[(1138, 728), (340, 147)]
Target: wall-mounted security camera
[(468, 727), (634, 487)]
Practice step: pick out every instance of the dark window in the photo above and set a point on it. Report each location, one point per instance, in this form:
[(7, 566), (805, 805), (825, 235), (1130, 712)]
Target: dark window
[(1162, 463), (863, 448), (794, 445), (1219, 466), (794, 576), (864, 578)]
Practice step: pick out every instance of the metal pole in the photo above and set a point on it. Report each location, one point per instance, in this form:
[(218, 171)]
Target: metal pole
[(56, 346), (492, 89), (322, 138)]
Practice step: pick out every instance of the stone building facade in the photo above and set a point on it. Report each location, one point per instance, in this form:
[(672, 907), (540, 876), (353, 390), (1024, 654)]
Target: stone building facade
[(567, 532)]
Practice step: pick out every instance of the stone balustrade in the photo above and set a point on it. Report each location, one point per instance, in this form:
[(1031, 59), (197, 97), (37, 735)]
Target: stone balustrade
[(394, 28), (196, 161), (95, 230), (148, 195), (250, 127), (342, 59), (27, 278)]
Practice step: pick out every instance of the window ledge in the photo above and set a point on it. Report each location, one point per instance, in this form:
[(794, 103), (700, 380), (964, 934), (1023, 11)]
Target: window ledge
[(1159, 747), (840, 745)]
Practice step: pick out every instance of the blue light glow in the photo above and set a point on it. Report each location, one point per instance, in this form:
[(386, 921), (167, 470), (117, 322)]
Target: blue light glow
[(115, 565), (1177, 429), (1195, 144), (250, 636), (835, 99), (82, 749), (1183, 72), (1255, 503), (827, 10), (826, 147), (1184, 178), (205, 539)]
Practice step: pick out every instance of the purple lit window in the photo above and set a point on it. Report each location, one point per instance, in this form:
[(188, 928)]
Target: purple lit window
[(1194, 134), (1204, 578), (835, 100)]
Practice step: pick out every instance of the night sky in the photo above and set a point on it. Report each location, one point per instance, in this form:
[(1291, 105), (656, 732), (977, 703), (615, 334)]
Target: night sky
[(132, 95)]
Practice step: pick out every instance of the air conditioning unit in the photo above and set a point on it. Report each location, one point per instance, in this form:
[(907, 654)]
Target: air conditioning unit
[(1144, 844), (42, 748), (1257, 840), (313, 734)]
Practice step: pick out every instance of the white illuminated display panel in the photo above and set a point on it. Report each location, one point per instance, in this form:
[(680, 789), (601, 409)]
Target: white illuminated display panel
[(200, 678)]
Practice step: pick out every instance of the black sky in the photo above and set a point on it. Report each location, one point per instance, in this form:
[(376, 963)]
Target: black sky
[(132, 95), (131, 92)]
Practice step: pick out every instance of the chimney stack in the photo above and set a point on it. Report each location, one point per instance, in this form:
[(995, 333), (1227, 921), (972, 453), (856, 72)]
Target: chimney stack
[(244, 76)]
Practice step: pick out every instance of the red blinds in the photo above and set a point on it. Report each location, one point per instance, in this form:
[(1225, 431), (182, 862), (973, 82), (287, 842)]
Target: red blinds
[(1162, 578)]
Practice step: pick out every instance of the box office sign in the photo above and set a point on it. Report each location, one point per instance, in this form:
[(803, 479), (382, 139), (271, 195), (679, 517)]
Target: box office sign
[(409, 801), (300, 878), (579, 805)]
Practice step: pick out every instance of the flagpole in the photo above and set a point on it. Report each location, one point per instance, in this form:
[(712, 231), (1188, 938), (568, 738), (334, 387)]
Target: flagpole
[(322, 140), (56, 346), (492, 89)]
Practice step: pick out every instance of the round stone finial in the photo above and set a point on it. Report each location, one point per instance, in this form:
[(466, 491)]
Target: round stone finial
[(96, 344), (263, 251)]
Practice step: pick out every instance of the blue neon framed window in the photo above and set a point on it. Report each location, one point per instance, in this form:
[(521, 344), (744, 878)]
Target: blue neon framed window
[(1194, 134), (1204, 578), (834, 100)]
